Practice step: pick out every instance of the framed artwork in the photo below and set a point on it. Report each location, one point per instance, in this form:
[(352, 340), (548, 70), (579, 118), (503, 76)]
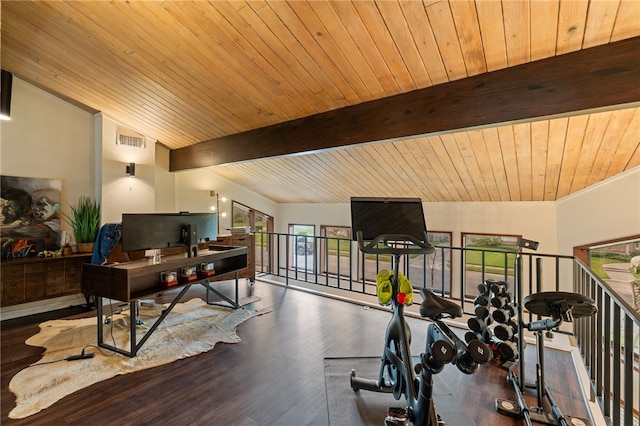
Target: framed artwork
[(30, 210)]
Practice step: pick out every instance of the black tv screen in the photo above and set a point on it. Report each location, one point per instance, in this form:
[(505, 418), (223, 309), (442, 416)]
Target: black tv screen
[(375, 216), (149, 231)]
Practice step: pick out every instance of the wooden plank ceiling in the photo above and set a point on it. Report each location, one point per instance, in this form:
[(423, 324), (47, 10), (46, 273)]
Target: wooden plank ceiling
[(189, 72)]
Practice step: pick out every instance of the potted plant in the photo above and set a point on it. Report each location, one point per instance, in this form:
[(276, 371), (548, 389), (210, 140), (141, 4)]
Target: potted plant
[(85, 222)]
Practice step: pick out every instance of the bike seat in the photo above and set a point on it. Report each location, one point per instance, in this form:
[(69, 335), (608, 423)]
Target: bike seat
[(434, 306)]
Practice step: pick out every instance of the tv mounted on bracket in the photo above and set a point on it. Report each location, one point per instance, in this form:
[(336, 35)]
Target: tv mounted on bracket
[(150, 231)]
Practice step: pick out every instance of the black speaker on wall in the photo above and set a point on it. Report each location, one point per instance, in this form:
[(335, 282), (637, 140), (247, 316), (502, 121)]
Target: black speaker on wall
[(5, 95)]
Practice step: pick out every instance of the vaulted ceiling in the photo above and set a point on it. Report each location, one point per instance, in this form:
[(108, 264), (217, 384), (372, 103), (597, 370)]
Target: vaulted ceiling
[(237, 83)]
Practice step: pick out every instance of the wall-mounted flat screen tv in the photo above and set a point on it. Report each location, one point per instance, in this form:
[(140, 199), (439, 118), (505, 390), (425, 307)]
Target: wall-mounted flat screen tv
[(149, 231), (375, 216)]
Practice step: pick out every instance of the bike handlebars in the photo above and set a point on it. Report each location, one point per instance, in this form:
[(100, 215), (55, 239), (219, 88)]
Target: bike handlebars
[(416, 246)]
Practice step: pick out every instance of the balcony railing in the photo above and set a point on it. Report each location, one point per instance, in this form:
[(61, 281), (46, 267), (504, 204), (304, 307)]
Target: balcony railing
[(610, 359)]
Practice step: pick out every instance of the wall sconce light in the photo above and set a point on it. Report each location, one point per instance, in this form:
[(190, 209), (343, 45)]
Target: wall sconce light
[(5, 95), (131, 169)]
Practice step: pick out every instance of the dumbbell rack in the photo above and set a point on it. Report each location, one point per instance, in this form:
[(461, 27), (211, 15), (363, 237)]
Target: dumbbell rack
[(495, 294)]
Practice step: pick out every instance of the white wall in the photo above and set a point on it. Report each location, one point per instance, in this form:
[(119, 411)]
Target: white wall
[(122, 193), (48, 138), (605, 211)]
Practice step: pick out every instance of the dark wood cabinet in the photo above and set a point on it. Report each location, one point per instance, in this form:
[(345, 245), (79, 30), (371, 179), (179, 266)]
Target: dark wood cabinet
[(244, 240), (31, 279)]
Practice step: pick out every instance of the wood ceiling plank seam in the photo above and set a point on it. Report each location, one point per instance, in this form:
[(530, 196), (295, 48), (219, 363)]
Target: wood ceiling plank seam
[(626, 24), (410, 176), (593, 135), (380, 170), (491, 23), (417, 166), (571, 25), (443, 185), (611, 139), (575, 137), (601, 17), (131, 89), (319, 62), (242, 68), (429, 177), (470, 160), (522, 135), (462, 178), (425, 41), (396, 24), (336, 170), (555, 156), (364, 174), (199, 49), (544, 29), (325, 41), (383, 40), (496, 158), (465, 20), (284, 70), (60, 81), (455, 186), (324, 187), (446, 35), (385, 166), (355, 159), (483, 165), (316, 79), (508, 149), (359, 33), (280, 187), (283, 172), (342, 180), (342, 37), (517, 31), (539, 158), (406, 181), (629, 144), (145, 68)]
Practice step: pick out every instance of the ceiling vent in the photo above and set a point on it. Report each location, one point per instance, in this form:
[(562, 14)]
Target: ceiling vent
[(130, 138)]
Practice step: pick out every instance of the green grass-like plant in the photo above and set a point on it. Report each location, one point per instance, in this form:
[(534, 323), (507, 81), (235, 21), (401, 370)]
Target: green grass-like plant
[(85, 219)]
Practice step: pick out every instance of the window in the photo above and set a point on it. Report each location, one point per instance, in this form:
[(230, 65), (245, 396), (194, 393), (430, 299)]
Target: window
[(618, 264), (335, 249), (302, 247), (496, 253)]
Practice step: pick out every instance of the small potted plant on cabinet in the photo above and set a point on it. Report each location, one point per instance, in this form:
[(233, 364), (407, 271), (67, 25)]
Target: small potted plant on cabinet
[(85, 222)]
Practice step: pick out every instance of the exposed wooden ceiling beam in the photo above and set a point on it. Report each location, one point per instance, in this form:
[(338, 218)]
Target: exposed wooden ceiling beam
[(592, 78)]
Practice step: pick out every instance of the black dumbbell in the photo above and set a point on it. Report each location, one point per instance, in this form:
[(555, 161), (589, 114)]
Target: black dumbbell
[(506, 331), (504, 315), (498, 287), (478, 324)]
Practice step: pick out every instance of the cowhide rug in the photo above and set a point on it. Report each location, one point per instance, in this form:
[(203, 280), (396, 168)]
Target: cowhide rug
[(190, 328)]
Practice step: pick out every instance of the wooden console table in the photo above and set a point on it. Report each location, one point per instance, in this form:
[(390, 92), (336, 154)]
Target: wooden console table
[(131, 281)]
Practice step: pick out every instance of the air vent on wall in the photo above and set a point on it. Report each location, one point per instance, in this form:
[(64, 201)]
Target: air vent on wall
[(130, 138)]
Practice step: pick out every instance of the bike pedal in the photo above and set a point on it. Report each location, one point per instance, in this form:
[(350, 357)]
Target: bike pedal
[(397, 416)]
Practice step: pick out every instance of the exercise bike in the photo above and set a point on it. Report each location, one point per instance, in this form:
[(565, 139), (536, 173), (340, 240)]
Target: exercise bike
[(397, 374)]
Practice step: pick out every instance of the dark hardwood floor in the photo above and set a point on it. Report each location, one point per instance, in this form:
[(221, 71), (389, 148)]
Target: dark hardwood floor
[(275, 376)]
